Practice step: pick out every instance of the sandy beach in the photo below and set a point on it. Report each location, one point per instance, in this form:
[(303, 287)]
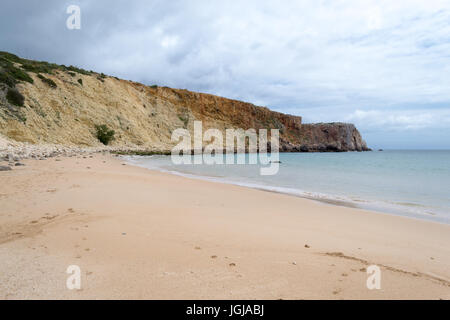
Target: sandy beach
[(141, 234)]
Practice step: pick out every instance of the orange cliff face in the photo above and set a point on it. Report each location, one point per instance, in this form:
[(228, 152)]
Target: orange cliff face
[(142, 116), (222, 113)]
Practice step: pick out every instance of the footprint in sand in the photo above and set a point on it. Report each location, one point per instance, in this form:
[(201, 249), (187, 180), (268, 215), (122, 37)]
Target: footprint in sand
[(48, 217), (198, 248), (52, 190), (232, 264), (213, 257), (337, 291)]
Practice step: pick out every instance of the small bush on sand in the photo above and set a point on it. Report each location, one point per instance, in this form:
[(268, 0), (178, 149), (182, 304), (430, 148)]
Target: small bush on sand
[(80, 81), (104, 134), (15, 97)]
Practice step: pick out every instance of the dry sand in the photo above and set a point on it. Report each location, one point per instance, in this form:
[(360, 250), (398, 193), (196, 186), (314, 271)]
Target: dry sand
[(141, 234)]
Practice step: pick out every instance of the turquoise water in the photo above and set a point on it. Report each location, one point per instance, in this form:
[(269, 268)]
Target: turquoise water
[(410, 183)]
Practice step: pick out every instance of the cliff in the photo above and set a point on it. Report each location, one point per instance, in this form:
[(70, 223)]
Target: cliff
[(328, 137), (62, 105)]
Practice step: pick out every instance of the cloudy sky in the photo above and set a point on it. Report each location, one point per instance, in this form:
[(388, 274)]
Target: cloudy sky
[(383, 65)]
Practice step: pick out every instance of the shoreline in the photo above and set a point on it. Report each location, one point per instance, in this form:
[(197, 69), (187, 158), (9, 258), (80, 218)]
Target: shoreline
[(143, 234), (367, 205), (25, 150)]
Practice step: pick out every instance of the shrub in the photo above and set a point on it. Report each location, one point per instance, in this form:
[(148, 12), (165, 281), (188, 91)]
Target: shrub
[(75, 69), (5, 63), (80, 81), (15, 97), (10, 56), (73, 74), (104, 134), (39, 67), (7, 59), (28, 65), (18, 74), (7, 79), (49, 82)]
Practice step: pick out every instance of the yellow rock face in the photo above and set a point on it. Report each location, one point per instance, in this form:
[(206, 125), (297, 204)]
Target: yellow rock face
[(140, 115)]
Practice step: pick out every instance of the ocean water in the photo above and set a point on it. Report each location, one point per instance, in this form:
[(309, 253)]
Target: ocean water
[(410, 183)]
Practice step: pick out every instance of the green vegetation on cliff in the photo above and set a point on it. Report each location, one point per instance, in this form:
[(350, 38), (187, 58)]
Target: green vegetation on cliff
[(7, 61), (15, 97), (104, 134), (49, 82)]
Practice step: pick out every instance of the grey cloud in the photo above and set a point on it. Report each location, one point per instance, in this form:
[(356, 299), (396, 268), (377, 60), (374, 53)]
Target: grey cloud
[(324, 60)]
